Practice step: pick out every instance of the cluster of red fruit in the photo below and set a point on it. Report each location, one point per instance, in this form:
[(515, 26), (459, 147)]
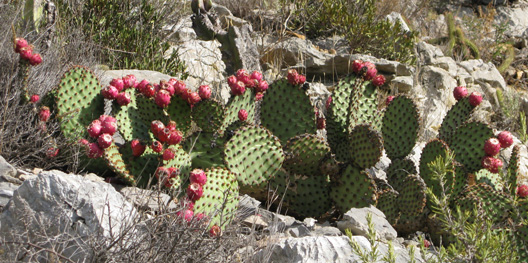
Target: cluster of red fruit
[(118, 86), (166, 135), (295, 78), (475, 98), (102, 130), (26, 52), (492, 147), (368, 71), (242, 80)]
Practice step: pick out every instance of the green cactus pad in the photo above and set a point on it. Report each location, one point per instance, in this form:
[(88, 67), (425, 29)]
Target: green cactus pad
[(304, 154), (432, 150), (209, 115), (179, 111), (337, 138), (492, 179), (513, 170), (455, 117), (181, 161), (254, 155), (388, 204), (491, 204), (133, 120), (412, 198), (279, 192), (220, 197), (398, 170), (366, 146), (461, 179), (468, 144), (286, 111), (400, 127), (78, 101), (117, 164), (245, 101), (308, 196), (206, 149), (408, 224), (354, 188)]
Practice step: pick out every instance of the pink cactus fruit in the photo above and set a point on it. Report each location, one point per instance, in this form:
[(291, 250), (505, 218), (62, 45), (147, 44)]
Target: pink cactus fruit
[(179, 87), (94, 151), (187, 203), (175, 137), (109, 92), (187, 215), (171, 125), (321, 123), (205, 92), (262, 86), (215, 231), (107, 118), (104, 140), (242, 115), (193, 98), (238, 88), (44, 114), (164, 135), (174, 172), (149, 91), (475, 98), (34, 98), (460, 92), (142, 85), (168, 154), (232, 80), (129, 81), (156, 146), (199, 216), (328, 102), (119, 84), (156, 127), (137, 147), (259, 96), (505, 138), (172, 81), (26, 53), (243, 75), (294, 78), (492, 146), (491, 164), (109, 125), (162, 98), (522, 191), (168, 87), (256, 75), (52, 152), (198, 176), (94, 129), (162, 173), (194, 191), (427, 244), (35, 59), (389, 100), (123, 98), (20, 43), (83, 142), (378, 81), (371, 71), (357, 65)]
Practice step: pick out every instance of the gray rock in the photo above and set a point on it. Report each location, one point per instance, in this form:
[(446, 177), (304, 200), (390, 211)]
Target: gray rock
[(298, 231), (484, 72), (395, 17), (147, 200), (515, 17), (493, 2), (309, 222), (6, 192), (356, 221), (151, 76), (402, 84), (66, 204), (326, 231), (181, 32), (427, 53), (8, 173)]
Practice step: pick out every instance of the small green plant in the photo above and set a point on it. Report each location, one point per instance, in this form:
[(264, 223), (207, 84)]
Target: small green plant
[(523, 131), (373, 254)]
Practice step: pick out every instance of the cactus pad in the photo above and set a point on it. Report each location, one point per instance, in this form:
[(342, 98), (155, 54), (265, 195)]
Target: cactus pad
[(398, 170), (490, 203), (468, 144), (117, 164), (366, 146), (513, 170), (208, 115), (179, 111), (237, 103), (492, 179), (206, 149), (432, 150), (456, 116), (354, 188), (304, 154), (287, 111), (388, 204), (78, 101), (308, 196), (400, 127), (181, 161), (412, 198)]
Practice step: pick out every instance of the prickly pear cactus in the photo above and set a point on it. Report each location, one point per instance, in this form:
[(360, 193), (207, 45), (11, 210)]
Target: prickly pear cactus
[(388, 204), (353, 188), (209, 115), (398, 170), (245, 101), (179, 111), (78, 101), (304, 154), (455, 117), (434, 149), (400, 127), (366, 146), (468, 144), (513, 170), (412, 198), (206, 149)]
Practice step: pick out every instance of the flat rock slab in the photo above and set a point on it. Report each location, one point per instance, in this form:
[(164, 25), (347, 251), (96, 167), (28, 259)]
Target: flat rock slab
[(356, 220)]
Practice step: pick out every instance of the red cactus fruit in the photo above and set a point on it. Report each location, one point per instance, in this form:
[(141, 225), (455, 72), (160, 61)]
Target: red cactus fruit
[(94, 151), (321, 123), (243, 75), (475, 98), (168, 154), (107, 118), (156, 146), (20, 43), (194, 191), (35, 59), (26, 53), (378, 81), (137, 147), (162, 173), (156, 127), (232, 80), (129, 81), (256, 75), (492, 146), (118, 83), (193, 98), (328, 102), (199, 216), (175, 137), (104, 140), (294, 78), (388, 100), (215, 231), (357, 65), (174, 172), (205, 92), (187, 215), (187, 203), (52, 152), (427, 244), (171, 125), (168, 87), (371, 71), (460, 92), (162, 98), (44, 114), (179, 87), (198, 176), (259, 96), (94, 129), (123, 98), (149, 91), (491, 164), (262, 86), (505, 138), (142, 85), (34, 98), (522, 191), (238, 88), (83, 142), (109, 92), (242, 115), (109, 125), (164, 135)]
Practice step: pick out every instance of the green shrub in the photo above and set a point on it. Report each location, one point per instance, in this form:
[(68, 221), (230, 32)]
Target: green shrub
[(358, 22), (126, 34)]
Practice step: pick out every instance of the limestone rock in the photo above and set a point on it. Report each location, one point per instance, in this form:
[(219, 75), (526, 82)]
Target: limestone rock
[(356, 220)]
